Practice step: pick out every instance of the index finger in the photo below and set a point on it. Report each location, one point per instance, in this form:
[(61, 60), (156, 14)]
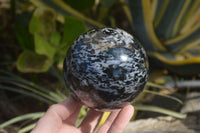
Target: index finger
[(52, 119), (121, 121)]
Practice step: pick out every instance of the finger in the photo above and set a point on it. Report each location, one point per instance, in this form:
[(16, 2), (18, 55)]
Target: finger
[(90, 121), (52, 119), (104, 128), (72, 119), (121, 121)]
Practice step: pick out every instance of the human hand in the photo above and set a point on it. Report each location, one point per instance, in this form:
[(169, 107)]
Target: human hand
[(61, 117)]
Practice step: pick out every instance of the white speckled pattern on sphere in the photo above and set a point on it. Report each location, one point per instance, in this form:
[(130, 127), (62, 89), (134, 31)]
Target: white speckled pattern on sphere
[(106, 68)]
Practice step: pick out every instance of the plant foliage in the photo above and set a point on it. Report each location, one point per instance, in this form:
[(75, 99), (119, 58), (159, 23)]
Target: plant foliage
[(169, 30)]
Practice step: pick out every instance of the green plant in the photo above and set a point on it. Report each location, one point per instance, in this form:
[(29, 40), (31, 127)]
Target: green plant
[(14, 83), (50, 46), (169, 30), (171, 39), (11, 82)]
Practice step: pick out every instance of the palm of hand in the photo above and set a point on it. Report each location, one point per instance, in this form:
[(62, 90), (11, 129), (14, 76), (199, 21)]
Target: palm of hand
[(60, 118)]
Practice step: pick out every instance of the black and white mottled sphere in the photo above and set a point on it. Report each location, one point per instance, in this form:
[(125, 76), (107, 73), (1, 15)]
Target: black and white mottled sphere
[(106, 68)]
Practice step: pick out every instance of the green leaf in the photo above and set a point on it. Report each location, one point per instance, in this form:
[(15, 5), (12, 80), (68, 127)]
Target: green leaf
[(64, 9), (80, 4), (181, 41), (31, 62), (179, 64), (32, 116), (12, 77), (27, 128), (25, 39), (107, 3), (34, 25), (43, 22), (43, 27), (143, 24), (27, 93), (151, 84), (42, 47), (43, 94), (55, 39), (158, 9), (192, 17), (72, 29), (163, 95), (159, 110), (175, 12)]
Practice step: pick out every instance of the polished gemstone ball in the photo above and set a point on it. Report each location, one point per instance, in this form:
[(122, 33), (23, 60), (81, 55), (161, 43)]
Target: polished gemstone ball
[(106, 68)]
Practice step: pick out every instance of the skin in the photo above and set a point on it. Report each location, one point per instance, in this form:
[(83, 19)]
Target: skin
[(60, 118)]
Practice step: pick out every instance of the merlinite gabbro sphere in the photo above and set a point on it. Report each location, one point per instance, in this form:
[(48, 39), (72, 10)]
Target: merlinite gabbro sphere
[(106, 68)]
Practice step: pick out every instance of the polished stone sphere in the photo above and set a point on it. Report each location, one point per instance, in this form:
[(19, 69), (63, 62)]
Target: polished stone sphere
[(106, 68)]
